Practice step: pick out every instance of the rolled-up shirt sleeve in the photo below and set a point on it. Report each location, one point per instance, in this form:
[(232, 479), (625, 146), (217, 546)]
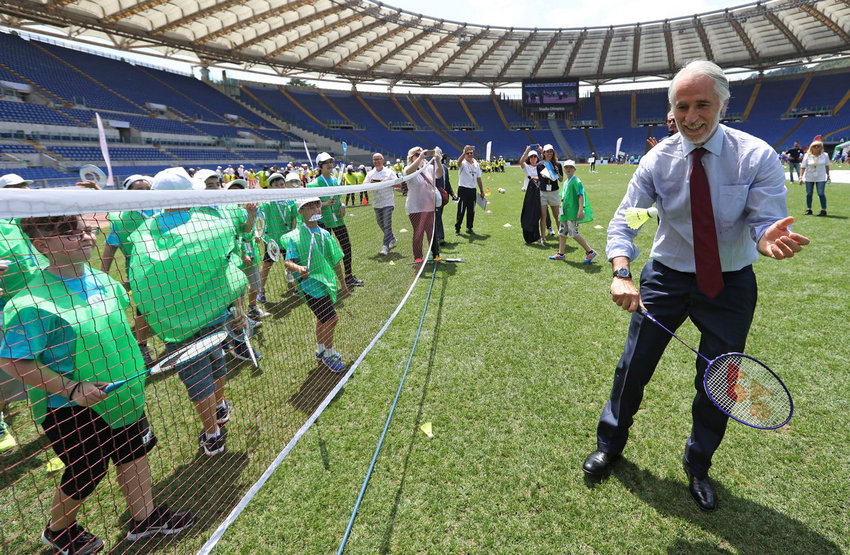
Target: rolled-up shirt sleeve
[(767, 198), (640, 194)]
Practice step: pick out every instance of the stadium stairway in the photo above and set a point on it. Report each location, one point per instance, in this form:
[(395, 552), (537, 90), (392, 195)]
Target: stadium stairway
[(501, 114), (44, 92), (370, 110), (336, 109), (218, 117), (468, 112), (752, 101), (566, 149), (803, 86), (589, 140), (424, 115), (791, 131)]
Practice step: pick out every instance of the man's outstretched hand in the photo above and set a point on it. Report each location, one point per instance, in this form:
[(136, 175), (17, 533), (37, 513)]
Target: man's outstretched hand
[(779, 242)]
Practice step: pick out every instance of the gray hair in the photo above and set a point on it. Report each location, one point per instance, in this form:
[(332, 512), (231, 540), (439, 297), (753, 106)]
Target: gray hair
[(704, 67)]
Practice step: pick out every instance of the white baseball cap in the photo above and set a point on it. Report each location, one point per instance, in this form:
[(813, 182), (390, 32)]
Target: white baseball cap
[(176, 179), (133, 178), (323, 156), (548, 147), (237, 183), (533, 153), (13, 179), (300, 203), (203, 175), (570, 163), (293, 176), (275, 176)]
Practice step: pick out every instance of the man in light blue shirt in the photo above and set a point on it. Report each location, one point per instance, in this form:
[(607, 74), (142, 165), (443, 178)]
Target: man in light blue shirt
[(746, 185)]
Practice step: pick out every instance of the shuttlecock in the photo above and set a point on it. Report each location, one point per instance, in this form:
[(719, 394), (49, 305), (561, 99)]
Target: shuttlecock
[(426, 427), (636, 217), (501, 190)]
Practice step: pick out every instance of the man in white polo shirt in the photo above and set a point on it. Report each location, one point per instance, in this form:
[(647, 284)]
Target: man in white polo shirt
[(383, 200), (469, 174)]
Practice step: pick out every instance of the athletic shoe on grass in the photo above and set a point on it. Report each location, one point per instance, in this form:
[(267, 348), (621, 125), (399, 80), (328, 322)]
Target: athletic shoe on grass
[(212, 446), (72, 540), (261, 296), (385, 250), (256, 313), (161, 521), (588, 258), (557, 256), (334, 363), (222, 414), (7, 440)]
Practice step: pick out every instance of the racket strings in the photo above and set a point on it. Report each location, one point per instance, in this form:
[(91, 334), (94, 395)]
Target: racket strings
[(748, 391)]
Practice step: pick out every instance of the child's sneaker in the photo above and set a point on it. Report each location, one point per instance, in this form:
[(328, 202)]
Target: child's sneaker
[(256, 313), (73, 539), (261, 296), (7, 440), (588, 258), (213, 445), (385, 250), (333, 362), (557, 256), (161, 521), (222, 414)]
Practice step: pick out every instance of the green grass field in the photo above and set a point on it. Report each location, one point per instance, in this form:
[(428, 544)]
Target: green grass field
[(513, 367)]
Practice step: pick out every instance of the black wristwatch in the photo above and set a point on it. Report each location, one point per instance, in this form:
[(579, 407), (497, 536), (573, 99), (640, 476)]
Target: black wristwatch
[(622, 273)]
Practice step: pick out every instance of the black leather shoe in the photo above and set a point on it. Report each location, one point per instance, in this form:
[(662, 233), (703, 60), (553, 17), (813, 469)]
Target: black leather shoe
[(701, 491), (599, 462)]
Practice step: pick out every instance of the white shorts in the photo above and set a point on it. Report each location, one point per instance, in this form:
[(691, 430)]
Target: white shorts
[(568, 229), (550, 198)]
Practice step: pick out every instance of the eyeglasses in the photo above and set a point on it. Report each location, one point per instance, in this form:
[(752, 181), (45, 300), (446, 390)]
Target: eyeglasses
[(76, 233)]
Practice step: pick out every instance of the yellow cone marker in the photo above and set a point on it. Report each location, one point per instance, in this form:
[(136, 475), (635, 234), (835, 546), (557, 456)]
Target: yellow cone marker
[(392, 263), (507, 225), (402, 230), (55, 465), (426, 427)]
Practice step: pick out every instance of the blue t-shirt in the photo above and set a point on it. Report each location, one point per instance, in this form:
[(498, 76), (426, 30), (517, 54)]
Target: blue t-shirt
[(310, 286), (34, 333)]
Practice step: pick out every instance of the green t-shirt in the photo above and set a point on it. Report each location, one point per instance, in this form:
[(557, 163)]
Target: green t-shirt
[(331, 216), (569, 205), (21, 258)]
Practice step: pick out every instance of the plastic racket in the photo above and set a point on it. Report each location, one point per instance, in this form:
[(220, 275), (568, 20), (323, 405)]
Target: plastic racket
[(273, 250), (92, 173), (743, 387), (260, 226), (244, 335), (183, 356)]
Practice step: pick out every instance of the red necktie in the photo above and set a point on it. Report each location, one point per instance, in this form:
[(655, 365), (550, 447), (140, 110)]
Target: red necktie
[(706, 253)]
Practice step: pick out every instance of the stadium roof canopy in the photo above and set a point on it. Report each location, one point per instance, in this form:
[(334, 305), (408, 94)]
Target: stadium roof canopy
[(366, 41)]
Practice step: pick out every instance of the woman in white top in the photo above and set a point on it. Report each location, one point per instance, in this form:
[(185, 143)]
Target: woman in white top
[(815, 171), (421, 199)]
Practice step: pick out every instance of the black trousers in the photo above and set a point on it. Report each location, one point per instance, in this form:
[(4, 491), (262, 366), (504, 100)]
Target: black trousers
[(341, 233), (466, 203), (723, 322)]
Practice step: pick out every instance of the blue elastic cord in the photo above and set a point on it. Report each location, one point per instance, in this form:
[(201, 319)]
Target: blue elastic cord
[(387, 424)]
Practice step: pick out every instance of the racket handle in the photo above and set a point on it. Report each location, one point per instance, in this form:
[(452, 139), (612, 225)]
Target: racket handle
[(113, 386)]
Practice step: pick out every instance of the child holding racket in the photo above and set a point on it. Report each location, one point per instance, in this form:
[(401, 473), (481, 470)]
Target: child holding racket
[(575, 209), (280, 219), (315, 257), (67, 336)]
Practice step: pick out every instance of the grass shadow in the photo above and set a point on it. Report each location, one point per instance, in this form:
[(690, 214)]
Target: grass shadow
[(315, 387), (748, 527), (210, 487)]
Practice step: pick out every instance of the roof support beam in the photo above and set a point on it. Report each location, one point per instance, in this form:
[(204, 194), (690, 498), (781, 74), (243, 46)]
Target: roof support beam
[(555, 40), (576, 47), (668, 42), (744, 38), (138, 8), (636, 49), (474, 40), (522, 46), (381, 38), (606, 44), (427, 53), (820, 16), (792, 38), (262, 16), (393, 51), (311, 35), (346, 36), (195, 16), (703, 38), (487, 54)]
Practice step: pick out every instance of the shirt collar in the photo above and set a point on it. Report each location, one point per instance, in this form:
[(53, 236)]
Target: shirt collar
[(714, 145)]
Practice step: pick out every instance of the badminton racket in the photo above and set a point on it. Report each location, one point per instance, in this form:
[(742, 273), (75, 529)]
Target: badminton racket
[(244, 335), (636, 217), (260, 226), (94, 174), (183, 356), (743, 387), (272, 248)]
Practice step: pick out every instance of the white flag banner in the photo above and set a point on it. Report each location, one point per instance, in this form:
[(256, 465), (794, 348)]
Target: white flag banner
[(617, 150), (489, 144), (307, 150), (103, 149)]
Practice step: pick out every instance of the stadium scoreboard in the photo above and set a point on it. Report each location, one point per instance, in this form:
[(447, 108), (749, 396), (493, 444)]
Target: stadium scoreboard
[(549, 95)]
